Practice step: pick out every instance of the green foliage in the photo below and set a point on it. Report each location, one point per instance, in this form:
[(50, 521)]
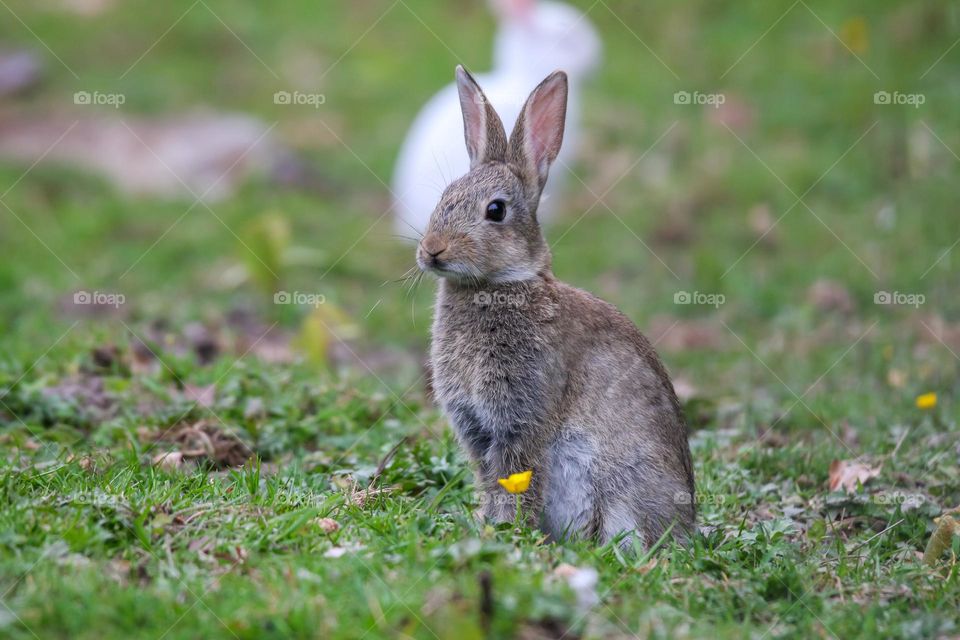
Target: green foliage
[(100, 539)]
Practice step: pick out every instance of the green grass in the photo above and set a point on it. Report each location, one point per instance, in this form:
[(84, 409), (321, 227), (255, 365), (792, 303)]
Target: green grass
[(96, 540)]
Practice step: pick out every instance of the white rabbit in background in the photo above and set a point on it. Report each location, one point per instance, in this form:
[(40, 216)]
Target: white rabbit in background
[(534, 38)]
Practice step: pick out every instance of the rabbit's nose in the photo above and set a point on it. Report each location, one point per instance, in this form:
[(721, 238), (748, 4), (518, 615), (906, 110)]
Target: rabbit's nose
[(433, 246)]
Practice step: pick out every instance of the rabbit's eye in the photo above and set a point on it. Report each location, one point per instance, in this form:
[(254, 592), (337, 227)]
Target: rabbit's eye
[(496, 210)]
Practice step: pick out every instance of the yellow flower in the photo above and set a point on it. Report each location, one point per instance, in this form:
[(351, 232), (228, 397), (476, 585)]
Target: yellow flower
[(927, 401), (517, 482), (855, 35)]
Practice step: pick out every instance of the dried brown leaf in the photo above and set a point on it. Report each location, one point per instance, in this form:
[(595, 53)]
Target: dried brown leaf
[(851, 473), (940, 539), (169, 460)]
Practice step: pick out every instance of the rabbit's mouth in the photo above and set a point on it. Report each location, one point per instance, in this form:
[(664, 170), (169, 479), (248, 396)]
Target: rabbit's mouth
[(433, 255), (436, 265), (443, 268), (448, 269)]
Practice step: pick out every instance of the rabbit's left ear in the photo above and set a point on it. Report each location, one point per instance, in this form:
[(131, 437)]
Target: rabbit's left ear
[(536, 138), (482, 128)]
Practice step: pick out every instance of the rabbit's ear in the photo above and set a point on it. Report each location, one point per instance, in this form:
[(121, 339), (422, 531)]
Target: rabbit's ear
[(536, 138), (482, 129)]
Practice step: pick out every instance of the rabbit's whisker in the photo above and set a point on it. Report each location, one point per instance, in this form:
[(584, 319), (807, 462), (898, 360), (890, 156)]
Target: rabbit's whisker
[(413, 228), (409, 273)]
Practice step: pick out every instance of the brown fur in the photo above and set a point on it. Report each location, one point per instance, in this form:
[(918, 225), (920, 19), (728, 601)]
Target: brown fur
[(536, 374)]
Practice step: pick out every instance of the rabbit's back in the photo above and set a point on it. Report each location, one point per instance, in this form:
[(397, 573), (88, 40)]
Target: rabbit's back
[(622, 406), (623, 402)]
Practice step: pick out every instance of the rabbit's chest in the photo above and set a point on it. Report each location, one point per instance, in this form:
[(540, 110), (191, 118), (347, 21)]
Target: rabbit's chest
[(487, 361), (491, 371)]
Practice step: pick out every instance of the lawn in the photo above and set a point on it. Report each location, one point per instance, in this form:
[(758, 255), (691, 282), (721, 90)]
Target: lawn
[(198, 461)]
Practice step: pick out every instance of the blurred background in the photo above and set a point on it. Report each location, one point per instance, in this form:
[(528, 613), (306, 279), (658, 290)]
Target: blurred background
[(211, 345), (183, 163)]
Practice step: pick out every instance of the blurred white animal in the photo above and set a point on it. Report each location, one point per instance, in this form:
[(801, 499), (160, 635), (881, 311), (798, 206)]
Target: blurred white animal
[(534, 38)]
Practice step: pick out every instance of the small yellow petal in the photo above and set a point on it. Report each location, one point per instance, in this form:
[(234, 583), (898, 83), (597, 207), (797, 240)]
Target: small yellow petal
[(516, 482), (855, 34), (927, 401)]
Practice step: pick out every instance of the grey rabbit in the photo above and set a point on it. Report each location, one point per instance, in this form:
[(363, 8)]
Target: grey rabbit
[(533, 373)]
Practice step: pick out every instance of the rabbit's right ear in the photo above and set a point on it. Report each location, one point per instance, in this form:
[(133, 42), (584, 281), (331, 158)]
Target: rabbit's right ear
[(538, 134), (482, 129)]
